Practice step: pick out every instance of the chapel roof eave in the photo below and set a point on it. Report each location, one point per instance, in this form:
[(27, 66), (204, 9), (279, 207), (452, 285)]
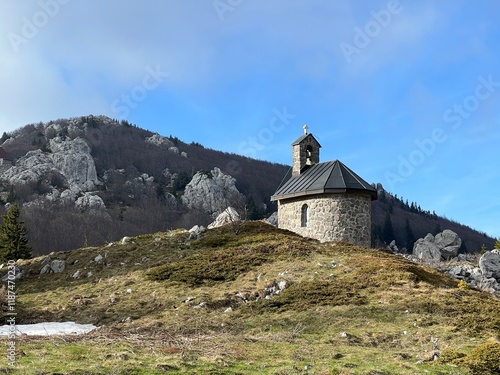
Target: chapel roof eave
[(331, 177)]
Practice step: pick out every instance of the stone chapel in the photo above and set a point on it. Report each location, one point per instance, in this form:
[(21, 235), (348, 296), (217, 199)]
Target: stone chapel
[(325, 201)]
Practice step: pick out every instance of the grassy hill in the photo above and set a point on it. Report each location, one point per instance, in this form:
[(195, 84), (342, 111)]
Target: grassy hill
[(252, 300)]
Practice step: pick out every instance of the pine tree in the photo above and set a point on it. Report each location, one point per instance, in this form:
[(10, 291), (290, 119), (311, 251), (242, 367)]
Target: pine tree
[(409, 236), (13, 242), (388, 231)]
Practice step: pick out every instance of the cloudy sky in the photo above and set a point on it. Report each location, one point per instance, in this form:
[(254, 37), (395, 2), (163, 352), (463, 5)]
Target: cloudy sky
[(406, 93)]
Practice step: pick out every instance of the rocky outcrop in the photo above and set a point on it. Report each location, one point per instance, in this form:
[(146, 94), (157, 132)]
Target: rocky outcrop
[(159, 140), (69, 165), (442, 247), (211, 192), (484, 276), (70, 159), (228, 216), (426, 249), (90, 201), (73, 160)]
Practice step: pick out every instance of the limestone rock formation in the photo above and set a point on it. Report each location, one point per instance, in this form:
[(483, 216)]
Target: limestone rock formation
[(211, 192), (73, 160), (490, 264), (426, 249), (448, 242), (90, 201), (444, 246), (273, 219), (158, 140), (69, 158), (228, 216)]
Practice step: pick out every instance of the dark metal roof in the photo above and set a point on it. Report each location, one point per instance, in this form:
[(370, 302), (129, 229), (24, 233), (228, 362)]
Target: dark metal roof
[(3, 154), (303, 137), (330, 177)]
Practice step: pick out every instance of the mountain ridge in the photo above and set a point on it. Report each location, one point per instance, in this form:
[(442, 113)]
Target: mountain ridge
[(141, 177)]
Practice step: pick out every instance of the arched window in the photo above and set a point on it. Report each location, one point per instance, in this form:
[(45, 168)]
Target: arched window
[(304, 216)]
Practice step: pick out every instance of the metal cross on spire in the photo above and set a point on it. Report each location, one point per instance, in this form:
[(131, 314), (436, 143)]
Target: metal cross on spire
[(306, 128)]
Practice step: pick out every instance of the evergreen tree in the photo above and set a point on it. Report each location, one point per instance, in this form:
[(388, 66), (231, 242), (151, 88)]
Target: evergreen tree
[(437, 229), (252, 211), (388, 231), (463, 248), (13, 242), (409, 236), (497, 244), (5, 136)]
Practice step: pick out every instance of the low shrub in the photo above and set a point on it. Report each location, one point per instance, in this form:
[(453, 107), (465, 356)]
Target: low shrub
[(484, 360)]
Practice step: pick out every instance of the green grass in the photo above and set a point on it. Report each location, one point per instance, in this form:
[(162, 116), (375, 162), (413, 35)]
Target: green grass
[(161, 304)]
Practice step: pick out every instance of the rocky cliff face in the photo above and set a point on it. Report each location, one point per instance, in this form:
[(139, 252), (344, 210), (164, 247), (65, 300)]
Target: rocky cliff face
[(211, 192), (69, 160)]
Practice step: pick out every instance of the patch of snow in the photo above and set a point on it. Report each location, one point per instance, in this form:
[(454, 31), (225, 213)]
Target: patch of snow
[(48, 329)]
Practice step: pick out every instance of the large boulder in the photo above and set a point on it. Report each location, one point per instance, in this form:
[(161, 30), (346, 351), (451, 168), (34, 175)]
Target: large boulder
[(448, 242), (490, 264), (442, 247), (424, 249)]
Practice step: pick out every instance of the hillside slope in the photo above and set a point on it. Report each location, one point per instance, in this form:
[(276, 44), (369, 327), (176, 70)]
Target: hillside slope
[(251, 299)]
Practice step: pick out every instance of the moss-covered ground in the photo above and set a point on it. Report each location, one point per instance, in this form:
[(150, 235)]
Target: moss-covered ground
[(167, 304)]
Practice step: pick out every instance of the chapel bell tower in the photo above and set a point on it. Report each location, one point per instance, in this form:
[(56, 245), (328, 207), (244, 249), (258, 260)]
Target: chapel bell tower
[(305, 152)]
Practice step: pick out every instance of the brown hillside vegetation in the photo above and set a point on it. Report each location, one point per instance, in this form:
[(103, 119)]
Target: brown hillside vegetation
[(263, 301)]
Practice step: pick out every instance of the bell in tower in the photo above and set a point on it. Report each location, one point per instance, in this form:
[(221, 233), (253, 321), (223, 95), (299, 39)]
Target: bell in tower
[(305, 152)]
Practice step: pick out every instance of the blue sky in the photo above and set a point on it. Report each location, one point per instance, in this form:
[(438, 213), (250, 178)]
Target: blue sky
[(405, 93)]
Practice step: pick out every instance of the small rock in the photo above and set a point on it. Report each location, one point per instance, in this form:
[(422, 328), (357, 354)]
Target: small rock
[(45, 269), (58, 266), (46, 261), (199, 306), (90, 274), (129, 291), (228, 310), (76, 275), (98, 259), (282, 284), (196, 231), (125, 240)]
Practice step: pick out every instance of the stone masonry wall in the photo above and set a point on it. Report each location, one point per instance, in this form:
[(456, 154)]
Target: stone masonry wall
[(300, 155), (332, 217)]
